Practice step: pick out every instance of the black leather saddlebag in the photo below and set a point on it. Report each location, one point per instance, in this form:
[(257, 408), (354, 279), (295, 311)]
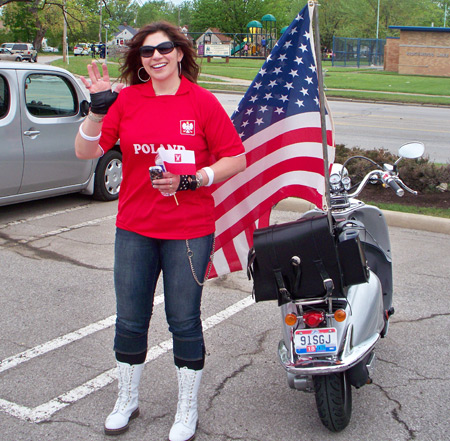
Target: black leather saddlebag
[(294, 260)]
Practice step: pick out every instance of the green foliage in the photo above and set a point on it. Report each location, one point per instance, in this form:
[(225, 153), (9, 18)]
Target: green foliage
[(420, 174)]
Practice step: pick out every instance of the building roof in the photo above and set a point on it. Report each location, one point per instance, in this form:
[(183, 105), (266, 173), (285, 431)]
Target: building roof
[(222, 37), (420, 28), (122, 28)]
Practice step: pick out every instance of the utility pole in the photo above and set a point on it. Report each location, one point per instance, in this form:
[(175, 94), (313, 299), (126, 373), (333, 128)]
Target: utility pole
[(100, 25), (378, 18), (64, 33)]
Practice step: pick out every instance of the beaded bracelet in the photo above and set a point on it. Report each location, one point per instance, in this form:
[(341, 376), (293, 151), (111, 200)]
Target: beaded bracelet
[(87, 137), (95, 117)]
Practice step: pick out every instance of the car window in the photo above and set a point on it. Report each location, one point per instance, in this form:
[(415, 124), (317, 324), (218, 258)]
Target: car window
[(50, 95), (20, 47), (4, 97)]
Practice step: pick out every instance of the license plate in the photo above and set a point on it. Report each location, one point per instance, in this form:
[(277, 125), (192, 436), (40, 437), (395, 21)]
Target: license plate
[(315, 341)]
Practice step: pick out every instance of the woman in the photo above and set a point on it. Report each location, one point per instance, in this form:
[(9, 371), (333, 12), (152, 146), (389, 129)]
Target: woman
[(163, 107)]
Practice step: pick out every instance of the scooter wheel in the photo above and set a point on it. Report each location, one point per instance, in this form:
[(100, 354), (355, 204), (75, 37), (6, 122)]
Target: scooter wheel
[(333, 400)]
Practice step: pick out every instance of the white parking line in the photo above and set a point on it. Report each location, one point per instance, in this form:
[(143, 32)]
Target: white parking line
[(51, 345), (42, 216), (45, 411), (66, 229)]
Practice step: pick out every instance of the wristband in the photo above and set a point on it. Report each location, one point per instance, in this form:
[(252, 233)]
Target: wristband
[(102, 101), (210, 173), (87, 137)]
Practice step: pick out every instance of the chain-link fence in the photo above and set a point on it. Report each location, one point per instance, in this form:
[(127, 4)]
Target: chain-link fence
[(358, 51)]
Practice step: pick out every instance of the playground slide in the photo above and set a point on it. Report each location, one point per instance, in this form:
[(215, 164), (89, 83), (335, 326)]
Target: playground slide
[(237, 48)]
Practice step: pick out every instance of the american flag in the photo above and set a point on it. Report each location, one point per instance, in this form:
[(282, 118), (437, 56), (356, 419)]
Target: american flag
[(278, 120)]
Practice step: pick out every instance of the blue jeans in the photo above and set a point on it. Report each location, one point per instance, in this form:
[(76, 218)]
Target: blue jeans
[(138, 263)]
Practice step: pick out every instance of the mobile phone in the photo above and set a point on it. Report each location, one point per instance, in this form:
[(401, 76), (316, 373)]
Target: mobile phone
[(156, 172)]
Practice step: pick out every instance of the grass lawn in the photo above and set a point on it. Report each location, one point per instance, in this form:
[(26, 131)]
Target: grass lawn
[(364, 83)]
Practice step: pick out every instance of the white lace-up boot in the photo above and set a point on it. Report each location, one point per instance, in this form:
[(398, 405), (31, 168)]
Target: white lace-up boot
[(186, 418), (126, 407)]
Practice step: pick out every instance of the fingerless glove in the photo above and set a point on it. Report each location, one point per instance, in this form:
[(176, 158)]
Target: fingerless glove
[(102, 101)]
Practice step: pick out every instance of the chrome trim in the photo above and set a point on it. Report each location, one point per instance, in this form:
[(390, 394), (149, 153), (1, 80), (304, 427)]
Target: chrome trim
[(322, 365)]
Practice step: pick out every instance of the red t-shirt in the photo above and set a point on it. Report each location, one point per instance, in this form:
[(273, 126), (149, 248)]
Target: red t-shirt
[(192, 119)]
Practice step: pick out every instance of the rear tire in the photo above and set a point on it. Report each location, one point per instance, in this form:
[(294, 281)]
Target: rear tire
[(108, 176), (333, 400)]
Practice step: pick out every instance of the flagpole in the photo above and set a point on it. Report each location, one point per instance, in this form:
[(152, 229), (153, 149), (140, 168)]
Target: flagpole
[(322, 110)]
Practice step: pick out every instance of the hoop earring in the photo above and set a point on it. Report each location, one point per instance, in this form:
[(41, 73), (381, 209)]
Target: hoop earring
[(179, 68), (139, 75)]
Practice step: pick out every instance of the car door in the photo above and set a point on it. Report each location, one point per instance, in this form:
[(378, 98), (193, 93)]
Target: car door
[(50, 120), (11, 148)]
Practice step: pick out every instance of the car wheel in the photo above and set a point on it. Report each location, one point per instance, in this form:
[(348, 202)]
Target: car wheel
[(18, 59), (108, 176)]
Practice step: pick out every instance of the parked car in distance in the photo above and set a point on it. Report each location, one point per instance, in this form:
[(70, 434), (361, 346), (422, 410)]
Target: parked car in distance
[(7, 55), (82, 49), (27, 50), (41, 109), (49, 49)]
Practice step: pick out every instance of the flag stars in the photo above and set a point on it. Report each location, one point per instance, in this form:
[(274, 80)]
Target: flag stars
[(299, 103), (287, 45), (288, 86), (303, 48), (293, 73), (244, 123), (316, 100), (307, 35), (293, 31), (298, 60), (277, 70), (267, 96), (257, 85), (309, 80), (312, 67), (259, 121), (284, 98), (262, 72), (249, 111), (279, 110), (304, 91), (254, 98), (273, 83), (282, 57), (263, 109)]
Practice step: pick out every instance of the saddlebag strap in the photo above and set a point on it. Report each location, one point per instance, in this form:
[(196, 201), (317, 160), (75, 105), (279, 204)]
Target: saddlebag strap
[(275, 263), (327, 281), (296, 264), (250, 261)]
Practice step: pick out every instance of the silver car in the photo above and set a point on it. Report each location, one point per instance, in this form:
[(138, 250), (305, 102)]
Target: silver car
[(41, 109), (7, 55)]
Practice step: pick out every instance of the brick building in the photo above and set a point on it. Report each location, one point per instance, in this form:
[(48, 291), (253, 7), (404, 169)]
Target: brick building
[(419, 51)]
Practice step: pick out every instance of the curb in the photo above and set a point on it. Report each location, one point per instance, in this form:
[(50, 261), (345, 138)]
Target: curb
[(393, 218)]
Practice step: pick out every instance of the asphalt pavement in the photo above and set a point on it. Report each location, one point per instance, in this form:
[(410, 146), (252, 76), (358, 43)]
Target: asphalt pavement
[(57, 380)]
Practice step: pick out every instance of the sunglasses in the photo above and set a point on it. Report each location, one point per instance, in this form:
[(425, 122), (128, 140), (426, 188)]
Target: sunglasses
[(163, 48)]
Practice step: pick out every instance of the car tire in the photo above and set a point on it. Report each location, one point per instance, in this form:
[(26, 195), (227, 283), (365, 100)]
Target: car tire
[(18, 59), (108, 176)]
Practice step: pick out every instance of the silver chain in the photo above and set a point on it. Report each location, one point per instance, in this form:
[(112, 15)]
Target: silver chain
[(190, 253)]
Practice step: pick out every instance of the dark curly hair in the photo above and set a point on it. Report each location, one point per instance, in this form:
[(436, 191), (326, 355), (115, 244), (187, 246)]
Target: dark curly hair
[(132, 62)]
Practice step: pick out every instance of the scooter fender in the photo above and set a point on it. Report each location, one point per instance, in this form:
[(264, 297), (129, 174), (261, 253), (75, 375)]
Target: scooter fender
[(365, 310)]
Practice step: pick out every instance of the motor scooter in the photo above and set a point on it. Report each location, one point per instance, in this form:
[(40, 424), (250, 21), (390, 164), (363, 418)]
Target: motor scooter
[(329, 339)]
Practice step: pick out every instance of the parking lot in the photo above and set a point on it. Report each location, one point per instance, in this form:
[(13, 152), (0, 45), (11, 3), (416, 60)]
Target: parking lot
[(57, 313)]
